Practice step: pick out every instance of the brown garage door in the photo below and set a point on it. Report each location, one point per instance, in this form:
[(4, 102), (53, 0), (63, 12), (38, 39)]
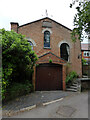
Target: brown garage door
[(49, 77)]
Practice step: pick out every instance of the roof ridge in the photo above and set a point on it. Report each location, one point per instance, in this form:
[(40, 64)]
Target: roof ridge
[(43, 19)]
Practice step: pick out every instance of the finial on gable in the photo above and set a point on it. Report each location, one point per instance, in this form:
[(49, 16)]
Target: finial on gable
[(46, 13)]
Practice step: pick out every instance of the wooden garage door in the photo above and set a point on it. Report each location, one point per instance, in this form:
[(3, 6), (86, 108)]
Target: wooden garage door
[(49, 77)]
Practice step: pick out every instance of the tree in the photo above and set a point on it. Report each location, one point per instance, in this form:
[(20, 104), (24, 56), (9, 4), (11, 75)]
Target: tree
[(18, 58), (81, 19)]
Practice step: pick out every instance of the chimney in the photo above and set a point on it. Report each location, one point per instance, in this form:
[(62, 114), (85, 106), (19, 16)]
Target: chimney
[(14, 26)]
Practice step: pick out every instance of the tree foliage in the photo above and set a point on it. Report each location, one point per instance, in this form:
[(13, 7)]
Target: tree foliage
[(18, 59), (83, 61), (81, 19)]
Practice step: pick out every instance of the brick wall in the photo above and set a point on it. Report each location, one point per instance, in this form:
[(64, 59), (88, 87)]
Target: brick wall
[(59, 35)]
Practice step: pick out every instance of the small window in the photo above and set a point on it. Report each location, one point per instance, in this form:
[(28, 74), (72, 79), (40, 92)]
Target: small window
[(87, 54), (47, 39), (31, 44), (84, 54)]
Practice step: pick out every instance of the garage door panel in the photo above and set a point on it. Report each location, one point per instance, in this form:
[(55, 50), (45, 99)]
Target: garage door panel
[(48, 77)]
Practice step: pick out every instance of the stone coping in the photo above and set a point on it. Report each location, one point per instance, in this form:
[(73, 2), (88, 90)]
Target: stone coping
[(83, 79)]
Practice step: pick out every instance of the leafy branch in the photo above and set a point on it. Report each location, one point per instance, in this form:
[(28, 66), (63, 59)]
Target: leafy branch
[(81, 20)]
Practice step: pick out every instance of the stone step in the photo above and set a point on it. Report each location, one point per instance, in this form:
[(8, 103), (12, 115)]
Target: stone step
[(74, 84), (70, 89), (76, 81), (74, 87), (84, 76)]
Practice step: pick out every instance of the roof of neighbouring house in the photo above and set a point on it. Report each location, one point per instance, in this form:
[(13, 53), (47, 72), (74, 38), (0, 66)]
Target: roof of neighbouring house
[(85, 46)]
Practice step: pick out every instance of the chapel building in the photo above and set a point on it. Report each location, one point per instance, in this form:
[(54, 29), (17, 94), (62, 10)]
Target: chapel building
[(57, 54)]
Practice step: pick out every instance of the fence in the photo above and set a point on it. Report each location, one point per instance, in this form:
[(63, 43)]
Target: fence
[(86, 70)]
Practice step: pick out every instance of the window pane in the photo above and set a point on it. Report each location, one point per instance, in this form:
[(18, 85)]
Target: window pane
[(87, 54), (46, 39), (84, 54)]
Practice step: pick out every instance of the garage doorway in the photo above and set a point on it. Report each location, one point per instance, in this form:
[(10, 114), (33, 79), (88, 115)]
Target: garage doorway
[(48, 77)]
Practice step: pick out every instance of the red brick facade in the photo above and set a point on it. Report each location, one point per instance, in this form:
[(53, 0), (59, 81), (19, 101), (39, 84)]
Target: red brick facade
[(85, 48), (59, 34)]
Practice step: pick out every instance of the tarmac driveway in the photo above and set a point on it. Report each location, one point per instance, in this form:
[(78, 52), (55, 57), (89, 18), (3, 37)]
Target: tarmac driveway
[(31, 99), (73, 106)]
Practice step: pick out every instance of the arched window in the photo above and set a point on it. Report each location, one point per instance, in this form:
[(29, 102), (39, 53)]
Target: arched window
[(46, 39), (64, 51), (31, 44)]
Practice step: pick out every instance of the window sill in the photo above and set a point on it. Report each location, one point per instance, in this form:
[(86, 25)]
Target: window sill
[(47, 48)]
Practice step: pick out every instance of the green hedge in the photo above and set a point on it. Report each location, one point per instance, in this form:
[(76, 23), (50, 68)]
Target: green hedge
[(16, 90)]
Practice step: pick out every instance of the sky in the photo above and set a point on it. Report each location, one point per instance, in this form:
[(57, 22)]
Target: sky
[(25, 11)]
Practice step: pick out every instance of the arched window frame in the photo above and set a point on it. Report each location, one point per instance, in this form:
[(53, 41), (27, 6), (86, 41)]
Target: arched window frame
[(46, 39), (31, 44), (68, 51)]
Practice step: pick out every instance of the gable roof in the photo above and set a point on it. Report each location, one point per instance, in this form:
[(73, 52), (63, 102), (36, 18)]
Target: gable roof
[(53, 55), (43, 19)]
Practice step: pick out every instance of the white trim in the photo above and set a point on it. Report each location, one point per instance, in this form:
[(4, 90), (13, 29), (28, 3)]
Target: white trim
[(64, 41), (29, 39), (47, 29)]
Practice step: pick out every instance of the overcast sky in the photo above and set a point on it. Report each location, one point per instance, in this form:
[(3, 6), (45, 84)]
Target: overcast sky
[(25, 11)]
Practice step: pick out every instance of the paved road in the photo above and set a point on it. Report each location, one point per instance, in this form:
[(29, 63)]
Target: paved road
[(73, 106), (38, 97)]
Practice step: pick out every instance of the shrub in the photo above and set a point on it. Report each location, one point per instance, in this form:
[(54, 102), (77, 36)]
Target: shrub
[(16, 90), (18, 59), (70, 77), (50, 60)]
